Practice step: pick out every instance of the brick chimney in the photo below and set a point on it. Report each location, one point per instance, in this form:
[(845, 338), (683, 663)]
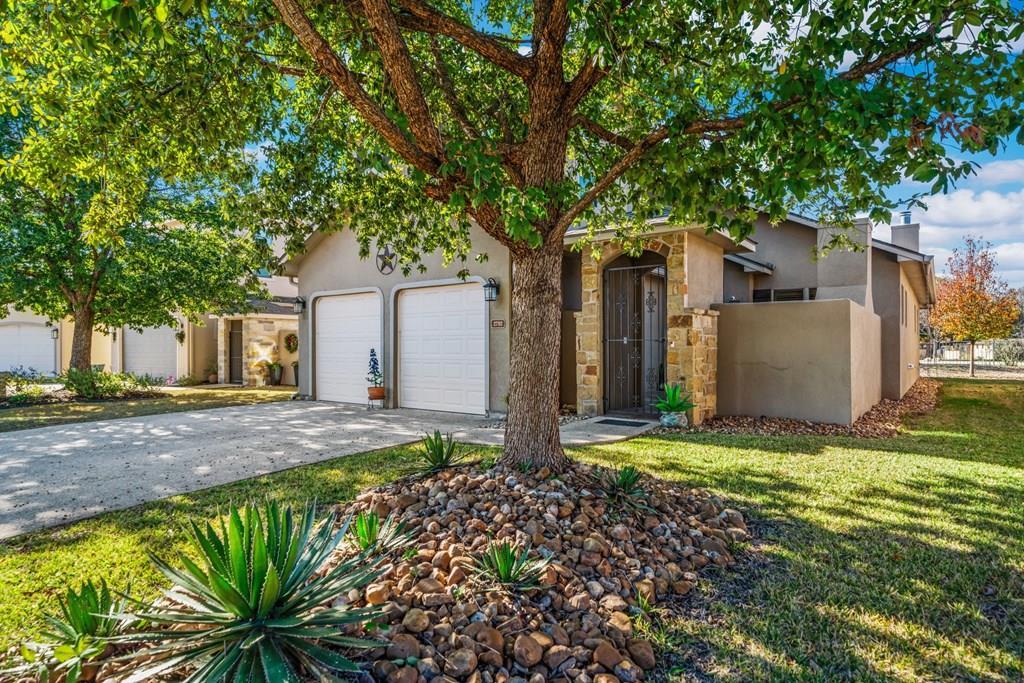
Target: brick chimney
[(906, 234)]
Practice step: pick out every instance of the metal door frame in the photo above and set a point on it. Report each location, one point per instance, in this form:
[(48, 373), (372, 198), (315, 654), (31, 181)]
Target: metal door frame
[(633, 363)]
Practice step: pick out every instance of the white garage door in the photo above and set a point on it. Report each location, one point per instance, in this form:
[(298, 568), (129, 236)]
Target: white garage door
[(442, 348), (26, 345), (347, 327), (154, 351)]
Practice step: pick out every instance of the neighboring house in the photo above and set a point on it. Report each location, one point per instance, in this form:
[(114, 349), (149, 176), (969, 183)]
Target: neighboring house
[(835, 334), (245, 341), (32, 341), (630, 324)]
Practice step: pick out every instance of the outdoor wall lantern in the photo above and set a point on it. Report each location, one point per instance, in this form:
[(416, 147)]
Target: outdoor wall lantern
[(491, 289), (298, 305), (54, 333)]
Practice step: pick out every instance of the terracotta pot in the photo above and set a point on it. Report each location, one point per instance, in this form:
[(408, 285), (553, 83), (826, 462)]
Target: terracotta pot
[(211, 378), (375, 393)]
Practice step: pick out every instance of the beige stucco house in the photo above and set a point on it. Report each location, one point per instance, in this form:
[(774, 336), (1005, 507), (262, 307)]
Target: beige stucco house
[(32, 341), (230, 346), (756, 328)]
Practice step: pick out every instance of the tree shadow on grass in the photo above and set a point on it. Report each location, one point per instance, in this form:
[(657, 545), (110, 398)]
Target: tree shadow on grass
[(903, 577)]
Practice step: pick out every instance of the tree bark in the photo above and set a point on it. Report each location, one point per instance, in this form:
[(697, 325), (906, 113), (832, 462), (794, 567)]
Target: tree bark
[(972, 358), (531, 434), (81, 339)]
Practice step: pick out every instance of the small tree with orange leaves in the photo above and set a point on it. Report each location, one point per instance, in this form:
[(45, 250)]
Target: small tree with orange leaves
[(973, 304)]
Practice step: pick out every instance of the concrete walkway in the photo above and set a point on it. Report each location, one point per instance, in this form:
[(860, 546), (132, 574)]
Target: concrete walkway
[(54, 475)]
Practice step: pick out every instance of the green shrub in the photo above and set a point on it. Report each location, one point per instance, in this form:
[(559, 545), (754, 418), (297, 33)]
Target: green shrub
[(29, 394), (441, 452), (624, 487), (510, 566), (77, 637), (97, 384), (674, 401), (368, 534), (1010, 352), (255, 606)]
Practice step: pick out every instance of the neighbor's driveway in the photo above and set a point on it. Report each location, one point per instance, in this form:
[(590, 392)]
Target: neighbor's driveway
[(53, 475)]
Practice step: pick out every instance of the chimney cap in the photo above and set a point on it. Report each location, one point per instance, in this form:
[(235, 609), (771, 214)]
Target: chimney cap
[(905, 217)]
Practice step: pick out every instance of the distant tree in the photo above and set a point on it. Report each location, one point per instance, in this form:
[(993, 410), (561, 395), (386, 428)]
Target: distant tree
[(1018, 327), (972, 303), (109, 212)]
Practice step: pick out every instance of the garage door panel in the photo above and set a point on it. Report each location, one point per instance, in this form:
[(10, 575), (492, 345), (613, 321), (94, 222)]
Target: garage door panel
[(442, 349), (347, 327), (27, 345), (153, 351)]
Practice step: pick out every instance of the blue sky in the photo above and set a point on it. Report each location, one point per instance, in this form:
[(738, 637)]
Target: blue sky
[(989, 205)]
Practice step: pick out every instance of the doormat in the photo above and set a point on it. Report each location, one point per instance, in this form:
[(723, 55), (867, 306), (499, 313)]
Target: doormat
[(621, 423)]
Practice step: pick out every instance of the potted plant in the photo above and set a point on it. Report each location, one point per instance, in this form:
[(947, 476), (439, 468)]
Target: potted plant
[(274, 372), (375, 392), (673, 406), (211, 373), (295, 371)]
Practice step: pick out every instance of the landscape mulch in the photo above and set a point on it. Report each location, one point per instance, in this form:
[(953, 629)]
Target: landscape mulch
[(882, 421)]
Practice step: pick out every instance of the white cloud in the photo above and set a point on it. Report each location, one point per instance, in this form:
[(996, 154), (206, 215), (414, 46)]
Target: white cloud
[(999, 172)]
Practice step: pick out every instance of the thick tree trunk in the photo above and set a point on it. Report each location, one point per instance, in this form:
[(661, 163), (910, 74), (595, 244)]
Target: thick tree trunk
[(531, 435), (81, 339), (972, 358)]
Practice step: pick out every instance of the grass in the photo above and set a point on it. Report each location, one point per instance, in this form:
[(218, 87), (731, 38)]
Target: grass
[(171, 401), (893, 559)]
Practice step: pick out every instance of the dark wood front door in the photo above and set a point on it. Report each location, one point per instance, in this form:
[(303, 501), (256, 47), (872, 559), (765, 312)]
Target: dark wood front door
[(634, 333), (235, 352)]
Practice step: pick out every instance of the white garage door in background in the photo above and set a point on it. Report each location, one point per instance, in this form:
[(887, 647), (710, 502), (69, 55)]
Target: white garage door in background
[(154, 351), (27, 345), (347, 327), (442, 348)]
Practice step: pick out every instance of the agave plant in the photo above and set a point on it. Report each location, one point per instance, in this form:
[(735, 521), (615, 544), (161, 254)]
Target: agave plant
[(77, 638), (253, 607), (440, 452), (368, 534), (510, 566), (624, 487)]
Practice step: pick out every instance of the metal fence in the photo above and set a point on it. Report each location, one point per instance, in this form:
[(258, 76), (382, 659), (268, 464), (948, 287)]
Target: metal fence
[(1005, 354)]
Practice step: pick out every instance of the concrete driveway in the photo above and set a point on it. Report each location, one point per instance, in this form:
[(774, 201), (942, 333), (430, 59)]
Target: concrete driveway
[(53, 475)]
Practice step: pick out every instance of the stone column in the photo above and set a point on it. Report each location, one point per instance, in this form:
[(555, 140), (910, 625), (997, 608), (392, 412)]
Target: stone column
[(589, 387)]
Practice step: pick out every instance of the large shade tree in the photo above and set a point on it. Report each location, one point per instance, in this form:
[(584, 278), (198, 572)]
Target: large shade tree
[(407, 120), (112, 198), (972, 303)]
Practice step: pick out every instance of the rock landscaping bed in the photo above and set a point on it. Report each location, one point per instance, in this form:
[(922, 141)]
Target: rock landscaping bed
[(882, 421), (609, 563)]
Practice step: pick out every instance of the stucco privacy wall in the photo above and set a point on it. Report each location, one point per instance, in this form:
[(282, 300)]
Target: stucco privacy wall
[(333, 264), (692, 332), (810, 360), (900, 354)]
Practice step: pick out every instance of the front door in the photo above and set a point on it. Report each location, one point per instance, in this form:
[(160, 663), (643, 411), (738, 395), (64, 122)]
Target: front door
[(634, 333), (235, 352)]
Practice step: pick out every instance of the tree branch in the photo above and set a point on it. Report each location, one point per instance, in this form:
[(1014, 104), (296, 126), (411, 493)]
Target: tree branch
[(421, 17), (345, 81), (700, 128), (400, 68), (599, 131), (448, 90)]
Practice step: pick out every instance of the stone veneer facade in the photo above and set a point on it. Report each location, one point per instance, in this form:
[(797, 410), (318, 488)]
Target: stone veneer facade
[(262, 340), (692, 348)]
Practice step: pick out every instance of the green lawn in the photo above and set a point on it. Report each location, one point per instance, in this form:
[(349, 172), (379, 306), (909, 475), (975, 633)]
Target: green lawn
[(172, 401), (896, 559)]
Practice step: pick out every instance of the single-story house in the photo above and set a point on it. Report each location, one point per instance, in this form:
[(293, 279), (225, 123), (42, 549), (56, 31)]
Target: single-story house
[(245, 341), (689, 309), (216, 344)]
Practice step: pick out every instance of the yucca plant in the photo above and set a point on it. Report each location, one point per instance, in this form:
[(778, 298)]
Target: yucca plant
[(674, 401), (510, 566), (624, 487), (77, 638), (440, 452), (254, 607), (369, 534)]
